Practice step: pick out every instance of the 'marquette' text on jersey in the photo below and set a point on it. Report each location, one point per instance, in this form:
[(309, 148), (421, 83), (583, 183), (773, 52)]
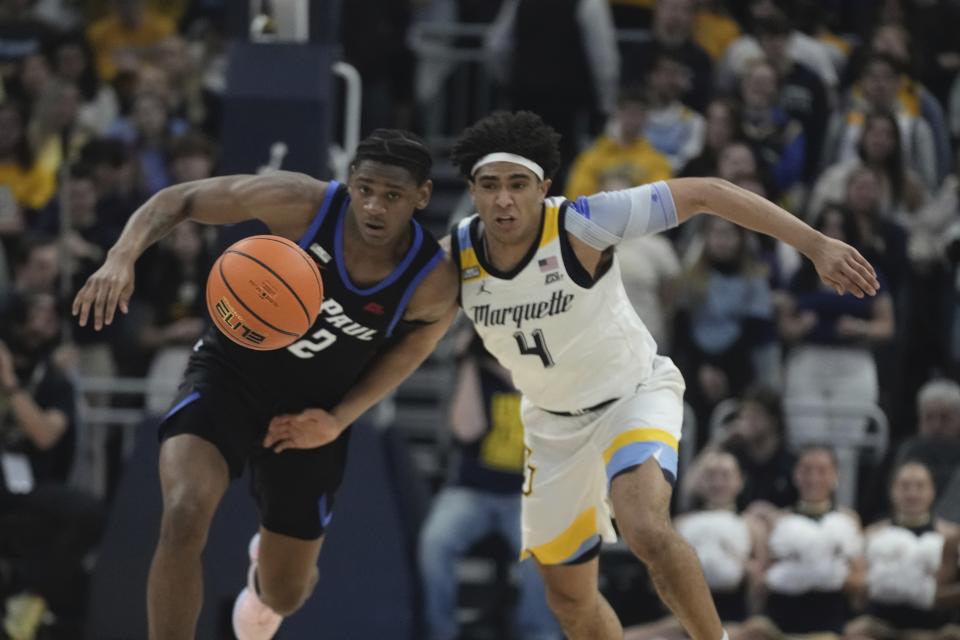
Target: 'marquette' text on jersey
[(558, 303)]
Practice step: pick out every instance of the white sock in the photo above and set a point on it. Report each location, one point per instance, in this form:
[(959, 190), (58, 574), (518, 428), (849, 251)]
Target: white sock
[(725, 636)]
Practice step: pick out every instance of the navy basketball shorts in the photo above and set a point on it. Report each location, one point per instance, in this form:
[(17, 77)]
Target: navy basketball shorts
[(294, 490)]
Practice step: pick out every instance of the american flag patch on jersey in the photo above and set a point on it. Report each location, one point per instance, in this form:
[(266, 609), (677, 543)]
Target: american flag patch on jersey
[(548, 264)]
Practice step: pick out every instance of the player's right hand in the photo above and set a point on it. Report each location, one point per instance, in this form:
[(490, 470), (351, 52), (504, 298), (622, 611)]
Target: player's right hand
[(309, 429), (109, 287)]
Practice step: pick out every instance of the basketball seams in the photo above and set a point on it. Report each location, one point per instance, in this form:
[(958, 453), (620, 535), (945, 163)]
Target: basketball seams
[(253, 274), (303, 307), (240, 301), (301, 253)]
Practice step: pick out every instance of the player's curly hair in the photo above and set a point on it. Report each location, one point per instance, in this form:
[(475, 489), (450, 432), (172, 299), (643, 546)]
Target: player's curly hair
[(396, 147), (523, 133)]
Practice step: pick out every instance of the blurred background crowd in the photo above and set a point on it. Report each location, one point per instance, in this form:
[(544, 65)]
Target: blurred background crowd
[(819, 428)]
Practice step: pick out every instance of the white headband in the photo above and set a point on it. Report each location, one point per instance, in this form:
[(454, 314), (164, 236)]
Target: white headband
[(508, 157)]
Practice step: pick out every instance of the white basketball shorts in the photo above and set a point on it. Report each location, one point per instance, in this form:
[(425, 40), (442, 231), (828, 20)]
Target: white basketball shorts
[(571, 461)]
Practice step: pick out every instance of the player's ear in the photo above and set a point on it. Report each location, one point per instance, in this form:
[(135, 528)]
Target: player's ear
[(424, 191), (545, 187)]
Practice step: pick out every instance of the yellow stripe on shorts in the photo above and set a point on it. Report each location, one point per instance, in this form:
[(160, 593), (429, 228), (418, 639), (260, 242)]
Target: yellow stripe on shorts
[(565, 545), (639, 435)]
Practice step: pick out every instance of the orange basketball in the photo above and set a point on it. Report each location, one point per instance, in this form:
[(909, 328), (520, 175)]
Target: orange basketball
[(264, 292)]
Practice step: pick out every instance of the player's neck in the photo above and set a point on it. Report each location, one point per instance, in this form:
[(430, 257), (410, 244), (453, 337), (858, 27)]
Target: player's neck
[(503, 256)]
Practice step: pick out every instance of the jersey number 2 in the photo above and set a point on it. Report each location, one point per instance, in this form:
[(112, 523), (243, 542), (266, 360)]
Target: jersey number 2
[(539, 347)]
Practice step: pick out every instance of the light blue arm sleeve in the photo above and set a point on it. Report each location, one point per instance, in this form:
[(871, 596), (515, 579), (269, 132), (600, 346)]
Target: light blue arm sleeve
[(604, 219)]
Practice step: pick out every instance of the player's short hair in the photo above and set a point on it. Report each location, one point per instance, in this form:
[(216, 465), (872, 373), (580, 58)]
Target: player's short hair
[(398, 148), (523, 133)]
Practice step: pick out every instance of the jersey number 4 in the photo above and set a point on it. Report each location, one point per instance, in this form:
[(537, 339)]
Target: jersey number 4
[(539, 347)]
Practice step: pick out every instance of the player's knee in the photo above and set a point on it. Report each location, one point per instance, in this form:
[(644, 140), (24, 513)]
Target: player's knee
[(287, 596), (186, 521), (648, 535), (569, 604)]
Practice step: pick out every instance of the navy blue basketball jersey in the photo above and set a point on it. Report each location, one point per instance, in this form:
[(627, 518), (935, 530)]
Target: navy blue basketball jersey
[(353, 326)]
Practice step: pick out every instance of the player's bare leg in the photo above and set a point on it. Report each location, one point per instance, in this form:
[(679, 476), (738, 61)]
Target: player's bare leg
[(193, 479), (283, 572), (286, 570), (574, 597), (641, 501)]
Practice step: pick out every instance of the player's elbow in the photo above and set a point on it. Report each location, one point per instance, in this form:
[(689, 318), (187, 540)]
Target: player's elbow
[(710, 190), (693, 196), (173, 200)]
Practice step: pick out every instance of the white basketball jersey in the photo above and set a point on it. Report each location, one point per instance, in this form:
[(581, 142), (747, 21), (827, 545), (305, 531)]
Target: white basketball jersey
[(568, 346)]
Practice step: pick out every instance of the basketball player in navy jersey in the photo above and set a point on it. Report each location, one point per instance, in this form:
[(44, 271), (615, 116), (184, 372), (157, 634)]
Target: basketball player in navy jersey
[(390, 294), (601, 410)]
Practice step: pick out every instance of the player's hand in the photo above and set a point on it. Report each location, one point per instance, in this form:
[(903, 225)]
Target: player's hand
[(842, 268), (109, 287), (305, 430)]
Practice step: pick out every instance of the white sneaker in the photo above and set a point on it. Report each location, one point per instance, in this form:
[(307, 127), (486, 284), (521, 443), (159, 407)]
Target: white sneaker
[(253, 620)]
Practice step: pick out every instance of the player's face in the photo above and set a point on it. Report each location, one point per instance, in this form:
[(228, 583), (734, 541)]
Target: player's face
[(383, 199), (912, 491), (509, 199)]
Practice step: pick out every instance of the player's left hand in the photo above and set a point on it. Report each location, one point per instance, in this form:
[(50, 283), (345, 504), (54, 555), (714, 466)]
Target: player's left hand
[(843, 268), (308, 429)]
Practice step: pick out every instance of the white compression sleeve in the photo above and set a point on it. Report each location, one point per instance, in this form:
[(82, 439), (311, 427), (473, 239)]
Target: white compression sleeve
[(604, 219)]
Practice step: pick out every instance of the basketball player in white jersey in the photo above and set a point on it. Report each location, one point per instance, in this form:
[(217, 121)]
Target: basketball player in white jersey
[(601, 410)]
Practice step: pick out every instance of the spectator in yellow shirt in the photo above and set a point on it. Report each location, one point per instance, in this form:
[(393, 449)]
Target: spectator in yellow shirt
[(713, 29), (623, 149), (120, 37), (31, 184)]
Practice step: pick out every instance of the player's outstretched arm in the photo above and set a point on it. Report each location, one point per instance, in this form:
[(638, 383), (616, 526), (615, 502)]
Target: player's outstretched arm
[(433, 307), (284, 200), (839, 265)]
